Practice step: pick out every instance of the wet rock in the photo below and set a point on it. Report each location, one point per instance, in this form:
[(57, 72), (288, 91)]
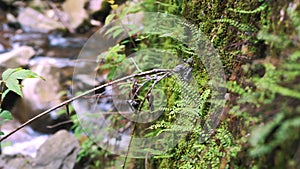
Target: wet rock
[(32, 20), (2, 48), (40, 95), (76, 12), (59, 151), (25, 141), (36, 40), (55, 62), (95, 5), (64, 47), (25, 148), (43, 94), (16, 162), (66, 42), (103, 12), (17, 57)]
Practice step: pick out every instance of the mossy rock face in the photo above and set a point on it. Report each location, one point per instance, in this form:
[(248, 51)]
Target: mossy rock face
[(257, 42), (231, 32), (251, 37)]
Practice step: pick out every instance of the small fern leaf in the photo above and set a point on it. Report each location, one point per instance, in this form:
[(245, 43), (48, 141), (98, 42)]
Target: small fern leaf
[(240, 26), (257, 10)]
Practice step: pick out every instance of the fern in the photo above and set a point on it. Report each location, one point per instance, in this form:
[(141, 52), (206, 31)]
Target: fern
[(278, 41), (241, 26), (283, 133), (257, 10), (271, 79), (188, 108)]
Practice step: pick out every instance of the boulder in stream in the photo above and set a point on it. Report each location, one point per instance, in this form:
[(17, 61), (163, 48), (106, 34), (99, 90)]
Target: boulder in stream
[(32, 20), (59, 151), (17, 57), (40, 95)]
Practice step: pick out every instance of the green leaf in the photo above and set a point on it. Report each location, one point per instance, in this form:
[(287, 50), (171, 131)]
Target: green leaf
[(6, 115), (259, 9), (111, 73), (13, 85), (8, 72), (4, 94), (23, 73), (295, 56), (1, 133), (11, 77), (113, 29), (109, 18), (260, 133), (18, 73), (130, 9), (134, 31), (117, 33), (120, 58)]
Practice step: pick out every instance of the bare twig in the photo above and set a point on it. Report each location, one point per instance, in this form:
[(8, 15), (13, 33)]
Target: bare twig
[(154, 71), (102, 94), (137, 67), (146, 160), (137, 112), (139, 89), (68, 110), (153, 85), (127, 126), (59, 124), (127, 32)]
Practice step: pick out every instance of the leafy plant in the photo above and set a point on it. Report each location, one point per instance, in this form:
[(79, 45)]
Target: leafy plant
[(112, 59), (10, 80)]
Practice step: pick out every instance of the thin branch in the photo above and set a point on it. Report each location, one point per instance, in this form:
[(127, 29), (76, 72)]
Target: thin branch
[(127, 32), (146, 160), (138, 114), (137, 67), (59, 124), (153, 85), (154, 71), (127, 126), (68, 110)]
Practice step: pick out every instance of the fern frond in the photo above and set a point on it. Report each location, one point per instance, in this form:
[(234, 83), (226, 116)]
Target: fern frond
[(240, 26), (259, 9)]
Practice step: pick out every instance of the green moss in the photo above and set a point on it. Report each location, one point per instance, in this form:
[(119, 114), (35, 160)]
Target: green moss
[(242, 32), (258, 43), (190, 153)]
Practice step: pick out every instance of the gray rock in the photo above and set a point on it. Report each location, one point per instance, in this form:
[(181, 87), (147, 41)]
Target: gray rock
[(16, 162), (32, 20), (40, 95), (58, 152), (17, 57), (43, 94)]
